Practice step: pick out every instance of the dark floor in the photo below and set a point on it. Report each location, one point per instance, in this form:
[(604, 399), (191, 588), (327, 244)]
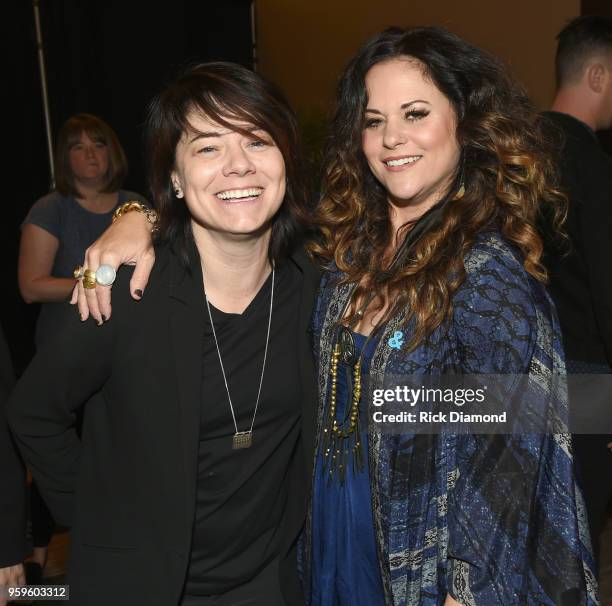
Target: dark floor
[(58, 551)]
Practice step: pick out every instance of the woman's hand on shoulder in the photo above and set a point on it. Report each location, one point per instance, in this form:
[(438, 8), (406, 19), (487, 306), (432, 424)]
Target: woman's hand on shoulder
[(126, 242)]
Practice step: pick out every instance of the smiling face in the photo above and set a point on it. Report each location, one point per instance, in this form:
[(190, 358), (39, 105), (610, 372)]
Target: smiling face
[(233, 184), (88, 160), (409, 137)]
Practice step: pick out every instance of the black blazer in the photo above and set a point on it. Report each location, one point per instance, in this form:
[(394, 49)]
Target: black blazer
[(12, 476), (581, 282), (129, 488)]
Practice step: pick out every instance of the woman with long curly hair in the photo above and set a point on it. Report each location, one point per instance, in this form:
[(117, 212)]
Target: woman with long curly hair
[(435, 179), (436, 176)]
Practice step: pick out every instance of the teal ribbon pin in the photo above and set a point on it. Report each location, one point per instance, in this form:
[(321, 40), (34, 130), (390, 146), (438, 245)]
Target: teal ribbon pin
[(396, 340)]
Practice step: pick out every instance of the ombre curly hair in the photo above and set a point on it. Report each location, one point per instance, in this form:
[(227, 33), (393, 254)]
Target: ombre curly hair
[(506, 168)]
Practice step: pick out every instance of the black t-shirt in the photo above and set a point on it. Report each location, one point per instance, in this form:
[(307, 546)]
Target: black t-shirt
[(241, 494), (579, 278)]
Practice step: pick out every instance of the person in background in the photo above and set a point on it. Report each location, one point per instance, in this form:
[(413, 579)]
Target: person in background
[(580, 280), (12, 494), (91, 167)]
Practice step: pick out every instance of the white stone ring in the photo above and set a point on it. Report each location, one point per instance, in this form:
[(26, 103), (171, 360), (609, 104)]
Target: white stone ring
[(105, 275)]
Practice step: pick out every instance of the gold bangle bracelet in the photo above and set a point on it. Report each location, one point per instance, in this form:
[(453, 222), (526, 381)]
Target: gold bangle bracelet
[(133, 205)]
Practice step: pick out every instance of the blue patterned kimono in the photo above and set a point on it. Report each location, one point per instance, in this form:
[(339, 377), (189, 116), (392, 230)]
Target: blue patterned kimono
[(493, 520)]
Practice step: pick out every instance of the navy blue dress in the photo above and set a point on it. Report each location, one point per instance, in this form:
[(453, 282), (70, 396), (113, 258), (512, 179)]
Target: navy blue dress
[(345, 569)]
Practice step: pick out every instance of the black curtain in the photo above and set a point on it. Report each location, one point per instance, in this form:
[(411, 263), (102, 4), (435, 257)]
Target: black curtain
[(105, 58)]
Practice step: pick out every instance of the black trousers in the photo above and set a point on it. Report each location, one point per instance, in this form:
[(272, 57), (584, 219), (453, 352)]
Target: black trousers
[(263, 590), (43, 524), (594, 463)]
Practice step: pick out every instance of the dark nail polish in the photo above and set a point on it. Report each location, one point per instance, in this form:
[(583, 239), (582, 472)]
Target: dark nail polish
[(138, 292)]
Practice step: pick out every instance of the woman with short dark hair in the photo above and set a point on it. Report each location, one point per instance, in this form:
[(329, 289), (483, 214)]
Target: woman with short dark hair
[(189, 484)]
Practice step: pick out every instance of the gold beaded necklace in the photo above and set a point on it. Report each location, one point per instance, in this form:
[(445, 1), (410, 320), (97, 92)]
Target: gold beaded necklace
[(340, 439), (334, 435)]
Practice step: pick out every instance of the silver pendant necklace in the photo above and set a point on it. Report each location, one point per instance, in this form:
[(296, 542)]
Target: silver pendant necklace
[(243, 439)]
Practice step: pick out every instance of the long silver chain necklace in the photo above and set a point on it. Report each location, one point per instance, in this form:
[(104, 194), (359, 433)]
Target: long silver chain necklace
[(243, 439)]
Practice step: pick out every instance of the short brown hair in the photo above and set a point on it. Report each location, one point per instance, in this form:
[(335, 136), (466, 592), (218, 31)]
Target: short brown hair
[(580, 40), (99, 131), (223, 92)]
